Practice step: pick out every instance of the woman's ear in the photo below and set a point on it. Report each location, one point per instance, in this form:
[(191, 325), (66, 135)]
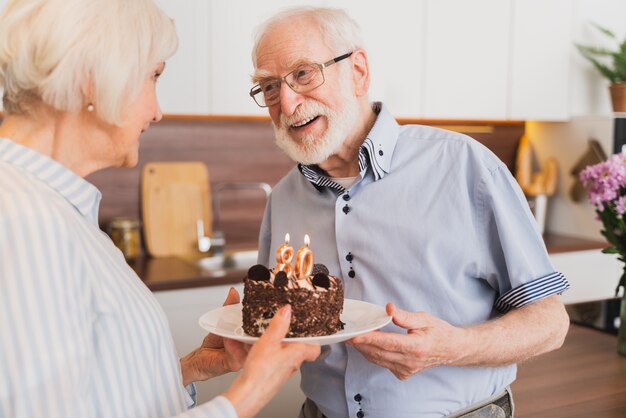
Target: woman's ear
[(87, 90), (360, 72)]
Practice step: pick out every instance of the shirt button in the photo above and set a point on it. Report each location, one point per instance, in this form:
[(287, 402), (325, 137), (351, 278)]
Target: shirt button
[(346, 209), (380, 152), (349, 257), (351, 273), (358, 397), (360, 414), (346, 197)]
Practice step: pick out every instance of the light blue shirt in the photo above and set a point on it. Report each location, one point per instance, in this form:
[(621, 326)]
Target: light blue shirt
[(435, 223), (80, 335)]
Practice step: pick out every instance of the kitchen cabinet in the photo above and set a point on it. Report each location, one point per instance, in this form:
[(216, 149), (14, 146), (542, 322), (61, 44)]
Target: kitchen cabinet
[(395, 46), (592, 275), (466, 58), (233, 26), (541, 47), (183, 308), (184, 86), (438, 59)]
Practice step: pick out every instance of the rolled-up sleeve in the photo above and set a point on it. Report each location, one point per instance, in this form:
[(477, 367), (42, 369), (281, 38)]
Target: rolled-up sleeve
[(515, 262)]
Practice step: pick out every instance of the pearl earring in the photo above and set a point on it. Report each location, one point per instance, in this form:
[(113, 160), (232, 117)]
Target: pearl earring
[(90, 107)]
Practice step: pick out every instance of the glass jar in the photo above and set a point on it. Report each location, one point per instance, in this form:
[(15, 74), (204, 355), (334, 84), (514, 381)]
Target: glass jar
[(126, 235)]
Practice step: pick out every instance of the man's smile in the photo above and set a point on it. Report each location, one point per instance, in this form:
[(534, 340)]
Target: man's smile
[(304, 122)]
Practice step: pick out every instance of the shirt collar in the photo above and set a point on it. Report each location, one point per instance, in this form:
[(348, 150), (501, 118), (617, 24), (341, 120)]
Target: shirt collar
[(81, 194), (375, 152)]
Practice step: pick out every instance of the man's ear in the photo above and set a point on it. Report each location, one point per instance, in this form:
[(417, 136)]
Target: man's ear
[(360, 72)]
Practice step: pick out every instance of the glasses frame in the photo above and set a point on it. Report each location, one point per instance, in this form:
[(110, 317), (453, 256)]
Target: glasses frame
[(256, 89)]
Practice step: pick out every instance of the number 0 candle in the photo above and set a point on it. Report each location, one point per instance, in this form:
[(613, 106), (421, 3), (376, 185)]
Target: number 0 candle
[(304, 260)]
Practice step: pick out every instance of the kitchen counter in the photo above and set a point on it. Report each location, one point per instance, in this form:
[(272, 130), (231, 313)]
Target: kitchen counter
[(172, 273)]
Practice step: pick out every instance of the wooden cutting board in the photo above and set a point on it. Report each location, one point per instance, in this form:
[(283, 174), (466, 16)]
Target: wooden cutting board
[(174, 196)]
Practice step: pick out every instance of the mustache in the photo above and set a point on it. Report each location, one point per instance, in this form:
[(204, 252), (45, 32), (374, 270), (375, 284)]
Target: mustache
[(308, 109)]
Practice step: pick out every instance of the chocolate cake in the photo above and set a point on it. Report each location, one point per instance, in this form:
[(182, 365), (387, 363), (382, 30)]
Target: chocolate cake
[(316, 300)]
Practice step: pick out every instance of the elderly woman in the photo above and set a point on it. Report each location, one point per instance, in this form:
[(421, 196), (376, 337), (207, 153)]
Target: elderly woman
[(80, 335)]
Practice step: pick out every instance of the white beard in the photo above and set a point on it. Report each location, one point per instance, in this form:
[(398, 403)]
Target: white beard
[(311, 150)]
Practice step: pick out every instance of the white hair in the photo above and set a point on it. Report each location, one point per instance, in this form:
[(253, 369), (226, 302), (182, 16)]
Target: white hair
[(338, 30), (70, 53)]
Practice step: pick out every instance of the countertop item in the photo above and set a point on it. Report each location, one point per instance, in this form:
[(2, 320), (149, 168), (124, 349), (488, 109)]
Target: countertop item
[(176, 207)]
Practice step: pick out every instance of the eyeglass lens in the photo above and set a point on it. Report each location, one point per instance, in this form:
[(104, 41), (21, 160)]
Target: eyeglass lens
[(304, 78)]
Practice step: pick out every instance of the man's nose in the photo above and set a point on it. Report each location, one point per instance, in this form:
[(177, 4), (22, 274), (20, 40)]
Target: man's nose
[(289, 99)]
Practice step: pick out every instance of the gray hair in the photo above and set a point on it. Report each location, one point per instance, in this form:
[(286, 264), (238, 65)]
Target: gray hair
[(68, 53), (338, 30)]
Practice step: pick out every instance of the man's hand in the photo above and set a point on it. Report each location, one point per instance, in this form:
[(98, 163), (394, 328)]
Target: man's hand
[(429, 342), (518, 335), (216, 356)]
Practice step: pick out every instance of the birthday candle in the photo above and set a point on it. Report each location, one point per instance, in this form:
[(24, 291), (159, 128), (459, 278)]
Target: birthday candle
[(304, 260), (284, 255)]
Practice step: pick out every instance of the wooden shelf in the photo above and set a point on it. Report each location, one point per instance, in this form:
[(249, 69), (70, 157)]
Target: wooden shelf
[(561, 243)]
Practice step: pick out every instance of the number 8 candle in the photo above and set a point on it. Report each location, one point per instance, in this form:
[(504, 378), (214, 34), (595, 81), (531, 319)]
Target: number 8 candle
[(304, 260), (284, 255)]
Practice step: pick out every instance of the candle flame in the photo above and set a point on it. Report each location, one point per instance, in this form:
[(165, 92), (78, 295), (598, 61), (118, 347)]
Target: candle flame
[(287, 238), (307, 240)]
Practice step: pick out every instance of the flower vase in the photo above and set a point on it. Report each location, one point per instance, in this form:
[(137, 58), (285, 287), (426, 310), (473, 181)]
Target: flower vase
[(621, 336)]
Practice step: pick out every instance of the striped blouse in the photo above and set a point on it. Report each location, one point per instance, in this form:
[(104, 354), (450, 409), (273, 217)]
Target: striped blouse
[(80, 334)]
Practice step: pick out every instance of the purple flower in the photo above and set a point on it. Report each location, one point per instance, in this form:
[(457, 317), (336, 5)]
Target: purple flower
[(605, 181), (606, 186), (620, 205)]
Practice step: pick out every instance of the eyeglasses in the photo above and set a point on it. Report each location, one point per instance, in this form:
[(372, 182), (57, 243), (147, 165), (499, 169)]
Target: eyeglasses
[(304, 78)]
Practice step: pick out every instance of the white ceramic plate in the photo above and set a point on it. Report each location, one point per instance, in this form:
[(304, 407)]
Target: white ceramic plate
[(360, 317)]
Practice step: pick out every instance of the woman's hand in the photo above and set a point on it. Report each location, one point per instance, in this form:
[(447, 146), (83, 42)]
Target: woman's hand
[(269, 365), (212, 358)]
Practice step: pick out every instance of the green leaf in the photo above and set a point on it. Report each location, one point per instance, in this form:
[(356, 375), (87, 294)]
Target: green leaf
[(619, 61), (604, 70), (590, 51), (604, 30), (610, 250), (615, 70), (621, 283)]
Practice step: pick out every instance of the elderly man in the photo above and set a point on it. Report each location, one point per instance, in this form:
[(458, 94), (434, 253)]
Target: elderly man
[(424, 220)]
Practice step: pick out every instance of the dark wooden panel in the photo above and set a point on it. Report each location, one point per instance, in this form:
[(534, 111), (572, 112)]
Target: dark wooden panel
[(241, 149), (233, 150)]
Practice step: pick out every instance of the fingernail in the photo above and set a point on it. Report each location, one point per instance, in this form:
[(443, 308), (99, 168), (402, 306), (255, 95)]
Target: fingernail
[(286, 311)]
